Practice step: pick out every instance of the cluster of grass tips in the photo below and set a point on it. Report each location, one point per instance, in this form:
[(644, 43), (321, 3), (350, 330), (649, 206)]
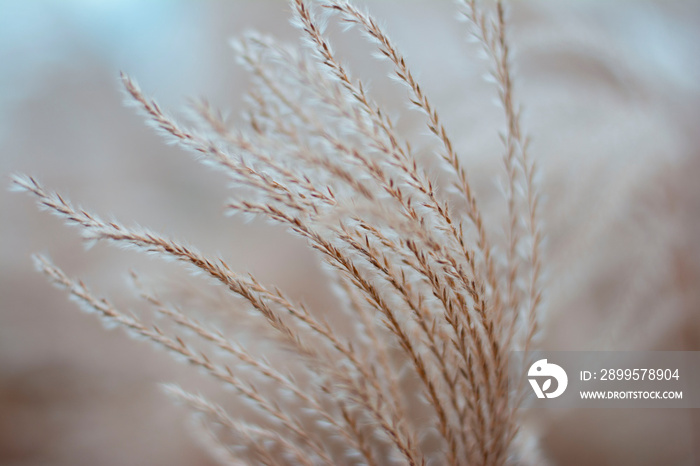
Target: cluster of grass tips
[(437, 301)]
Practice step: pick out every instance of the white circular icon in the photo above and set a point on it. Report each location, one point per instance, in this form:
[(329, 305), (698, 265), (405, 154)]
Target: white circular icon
[(542, 370)]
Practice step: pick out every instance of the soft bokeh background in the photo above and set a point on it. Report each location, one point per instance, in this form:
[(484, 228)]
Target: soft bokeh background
[(612, 97)]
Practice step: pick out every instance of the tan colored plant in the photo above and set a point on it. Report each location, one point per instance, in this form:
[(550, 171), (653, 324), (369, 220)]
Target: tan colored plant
[(436, 303)]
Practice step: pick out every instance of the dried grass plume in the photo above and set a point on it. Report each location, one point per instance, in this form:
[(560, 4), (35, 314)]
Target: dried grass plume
[(438, 302)]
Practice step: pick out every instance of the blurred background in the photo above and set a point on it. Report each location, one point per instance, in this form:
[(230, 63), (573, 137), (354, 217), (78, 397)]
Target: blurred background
[(612, 99)]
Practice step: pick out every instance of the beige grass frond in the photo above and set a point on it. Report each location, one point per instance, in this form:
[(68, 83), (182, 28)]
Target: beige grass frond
[(410, 366)]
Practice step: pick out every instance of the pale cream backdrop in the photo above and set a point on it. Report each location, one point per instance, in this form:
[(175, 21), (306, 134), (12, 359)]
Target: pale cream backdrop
[(612, 100)]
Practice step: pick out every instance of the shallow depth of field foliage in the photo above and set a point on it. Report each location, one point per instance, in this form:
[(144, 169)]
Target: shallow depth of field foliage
[(437, 294)]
